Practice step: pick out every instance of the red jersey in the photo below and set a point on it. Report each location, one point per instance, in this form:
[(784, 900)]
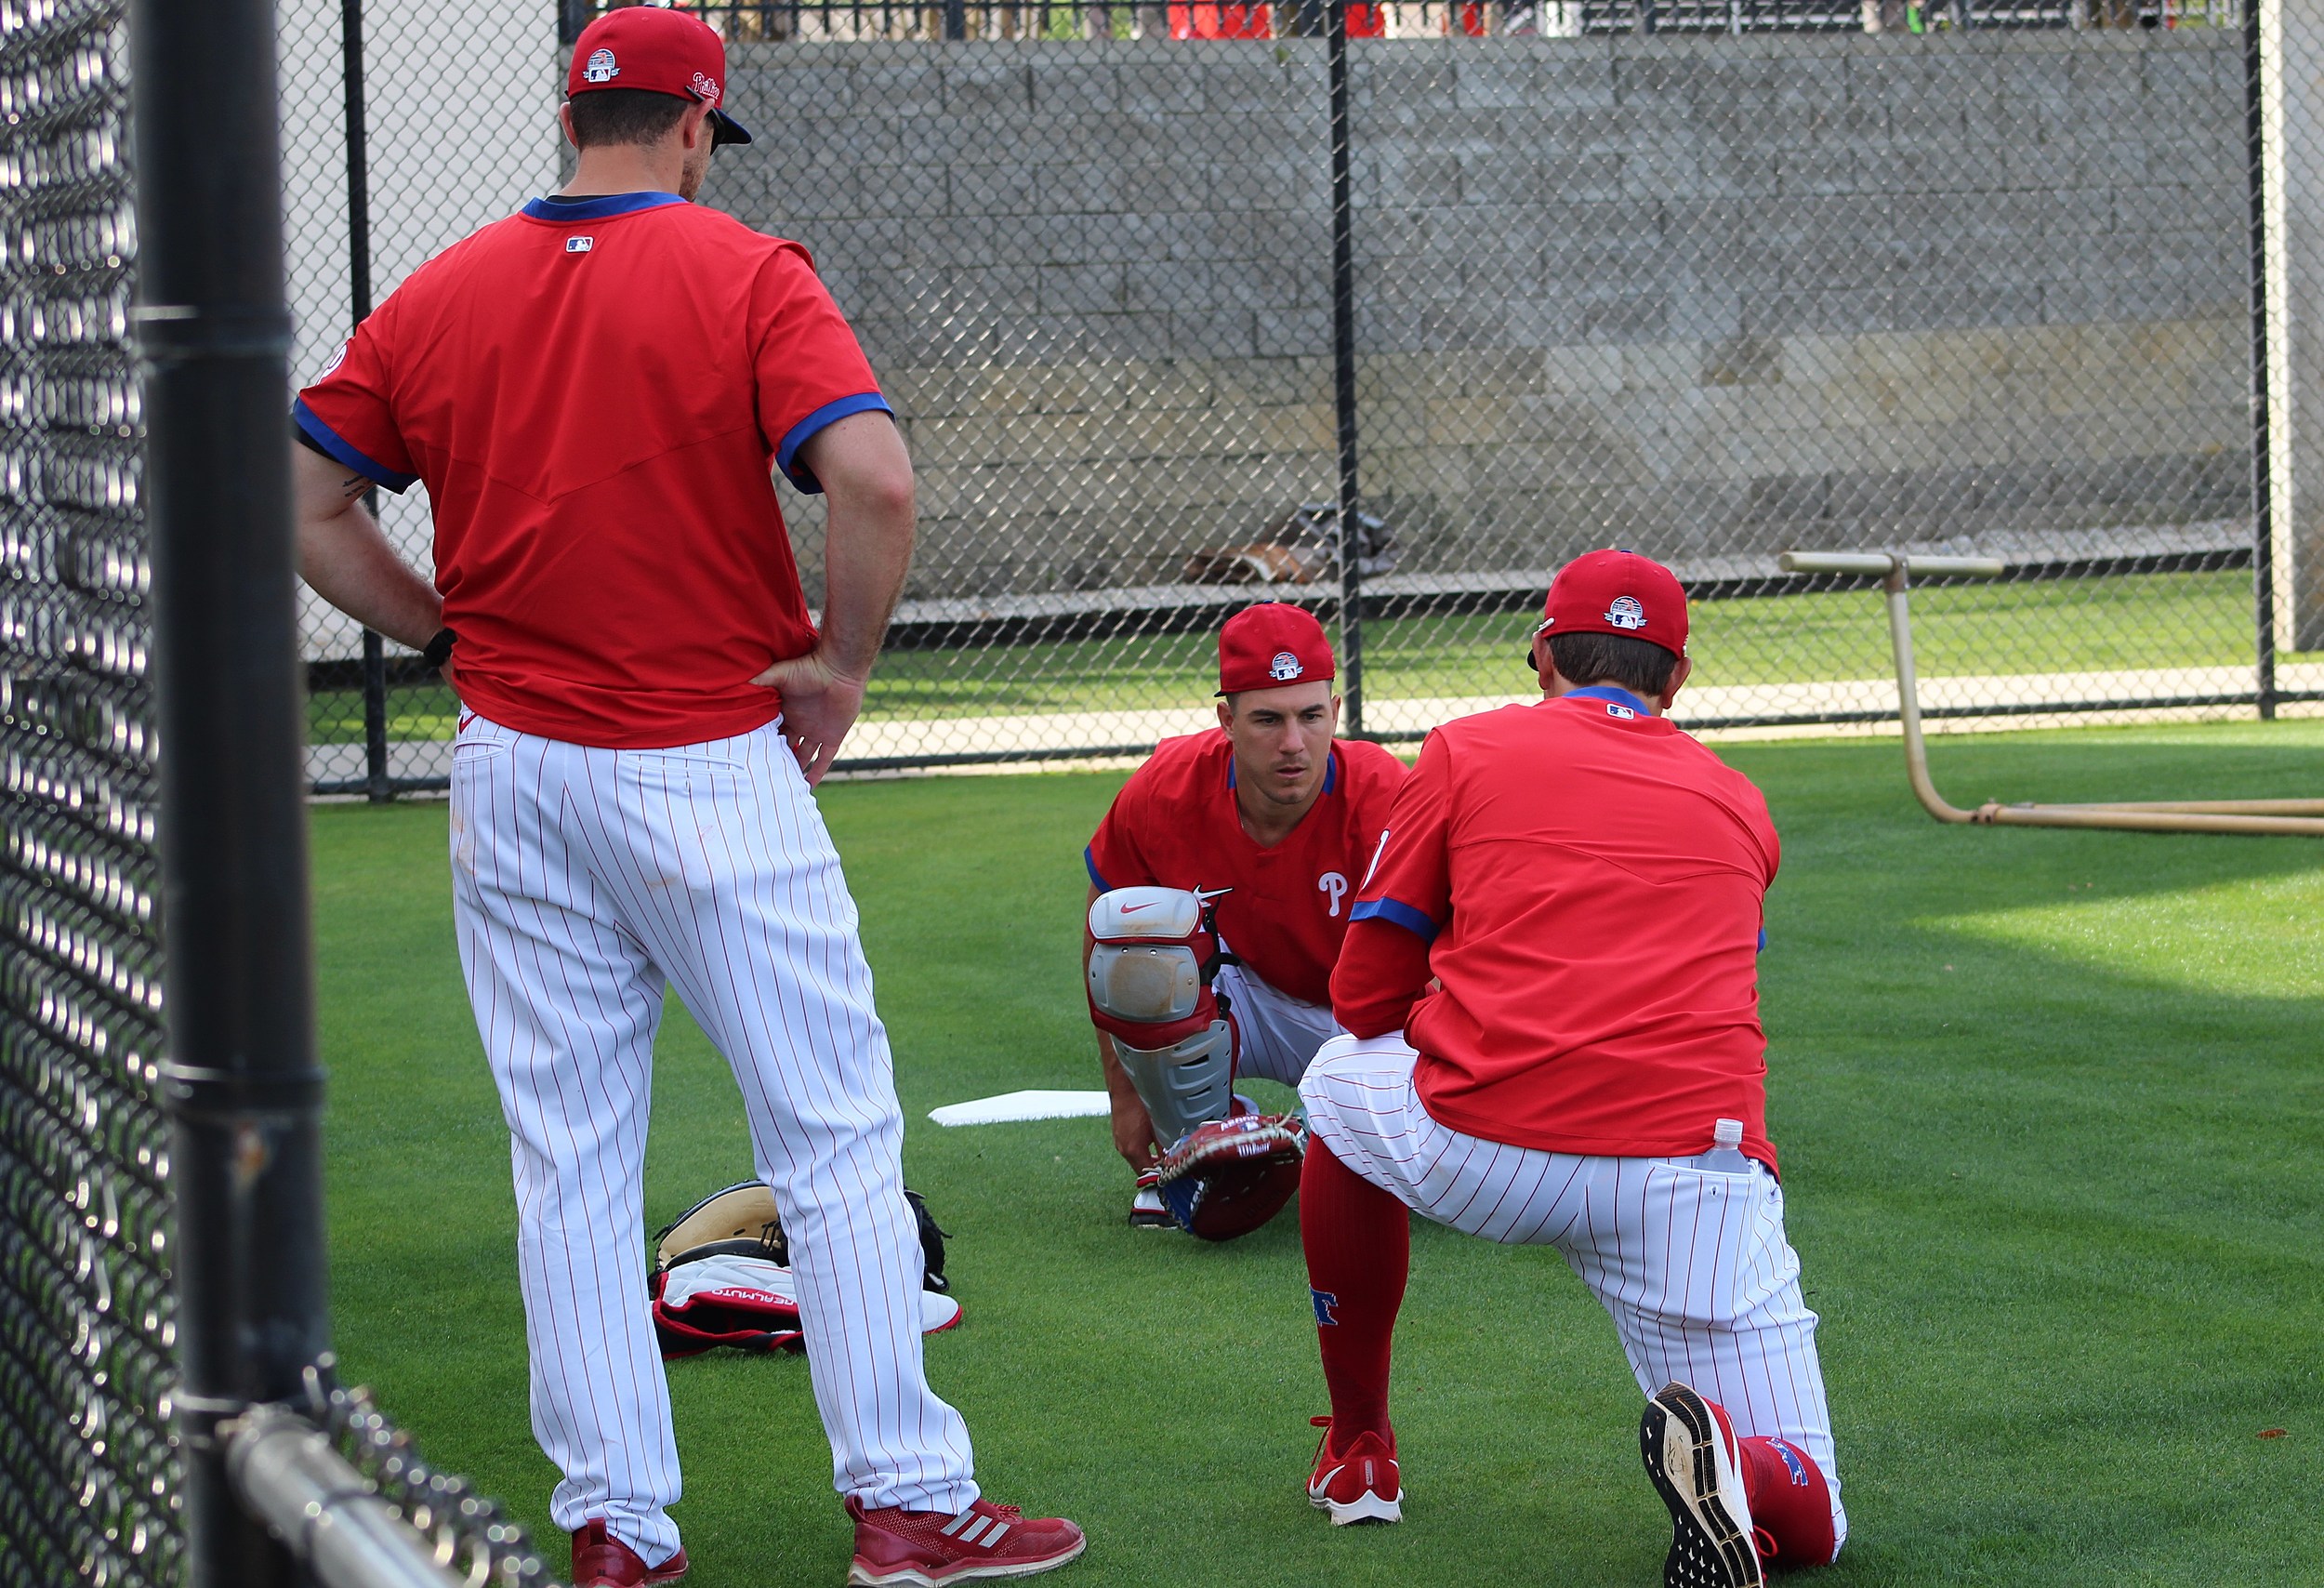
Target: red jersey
[(1588, 880), (594, 391), (1174, 825)]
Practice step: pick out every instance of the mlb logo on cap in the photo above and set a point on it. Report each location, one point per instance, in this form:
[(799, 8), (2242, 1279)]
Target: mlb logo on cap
[(1271, 644), (1617, 592), (656, 49)]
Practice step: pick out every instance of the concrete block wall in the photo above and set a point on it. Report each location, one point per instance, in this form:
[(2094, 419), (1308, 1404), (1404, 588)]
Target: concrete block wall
[(1700, 296)]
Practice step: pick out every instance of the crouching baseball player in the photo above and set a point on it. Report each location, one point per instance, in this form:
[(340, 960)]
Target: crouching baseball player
[(1583, 883), (1220, 886)]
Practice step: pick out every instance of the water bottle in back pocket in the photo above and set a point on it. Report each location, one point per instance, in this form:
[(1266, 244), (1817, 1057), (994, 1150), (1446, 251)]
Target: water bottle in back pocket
[(1726, 1155)]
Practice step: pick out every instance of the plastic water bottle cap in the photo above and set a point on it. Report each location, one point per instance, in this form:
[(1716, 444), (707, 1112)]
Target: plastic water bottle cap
[(1727, 1133)]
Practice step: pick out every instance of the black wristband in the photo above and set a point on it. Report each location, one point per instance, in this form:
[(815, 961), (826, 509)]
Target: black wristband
[(439, 650)]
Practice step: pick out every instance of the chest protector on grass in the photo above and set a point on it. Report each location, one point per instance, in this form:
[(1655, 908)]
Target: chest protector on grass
[(1156, 952)]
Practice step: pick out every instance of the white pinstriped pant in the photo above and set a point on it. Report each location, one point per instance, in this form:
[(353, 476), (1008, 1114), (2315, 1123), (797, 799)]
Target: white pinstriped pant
[(583, 880), (1277, 1035), (1693, 1266)]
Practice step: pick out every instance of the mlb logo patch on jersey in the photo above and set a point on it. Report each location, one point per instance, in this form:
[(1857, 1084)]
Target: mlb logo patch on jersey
[(1616, 708), (1285, 667), (1626, 613), (601, 68), (579, 244)]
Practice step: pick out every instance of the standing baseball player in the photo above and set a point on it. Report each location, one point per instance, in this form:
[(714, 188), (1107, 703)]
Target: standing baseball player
[(595, 391), (1236, 852), (1584, 884)]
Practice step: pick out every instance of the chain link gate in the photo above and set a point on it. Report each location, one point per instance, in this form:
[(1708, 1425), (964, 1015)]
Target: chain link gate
[(1708, 278), (93, 1489)]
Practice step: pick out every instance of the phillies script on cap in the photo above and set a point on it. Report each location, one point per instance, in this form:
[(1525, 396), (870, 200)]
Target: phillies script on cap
[(1271, 644), (655, 50), (1617, 592)]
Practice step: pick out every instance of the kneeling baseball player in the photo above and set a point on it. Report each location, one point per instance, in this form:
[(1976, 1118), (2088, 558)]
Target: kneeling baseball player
[(1584, 883), (1220, 886)]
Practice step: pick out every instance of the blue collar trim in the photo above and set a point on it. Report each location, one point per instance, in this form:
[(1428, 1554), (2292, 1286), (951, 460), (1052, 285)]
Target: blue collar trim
[(603, 207), (1609, 693)]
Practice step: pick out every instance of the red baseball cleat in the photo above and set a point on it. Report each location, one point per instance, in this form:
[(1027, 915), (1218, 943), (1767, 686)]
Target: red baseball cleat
[(601, 1560), (1697, 1465), (925, 1549), (1360, 1484)]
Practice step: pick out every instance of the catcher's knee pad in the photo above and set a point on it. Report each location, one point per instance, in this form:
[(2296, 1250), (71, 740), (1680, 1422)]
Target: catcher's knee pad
[(1186, 1084), (1150, 963)]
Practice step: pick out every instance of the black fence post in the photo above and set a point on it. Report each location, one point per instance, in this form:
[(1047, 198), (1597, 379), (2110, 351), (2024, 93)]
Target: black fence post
[(359, 291), (956, 19), (2262, 496), (572, 17), (1343, 368), (240, 1084)]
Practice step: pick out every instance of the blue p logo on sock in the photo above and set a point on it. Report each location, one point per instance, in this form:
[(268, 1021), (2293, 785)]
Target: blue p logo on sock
[(1325, 1301)]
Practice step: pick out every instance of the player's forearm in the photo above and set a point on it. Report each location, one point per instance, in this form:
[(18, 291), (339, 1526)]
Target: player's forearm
[(1382, 972), (350, 563), (867, 483)]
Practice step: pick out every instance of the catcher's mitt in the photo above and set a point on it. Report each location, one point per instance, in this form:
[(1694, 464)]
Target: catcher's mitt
[(741, 1222), (1230, 1176), (722, 1275)]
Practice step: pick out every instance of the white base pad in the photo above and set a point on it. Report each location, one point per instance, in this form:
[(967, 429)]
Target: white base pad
[(1014, 1106)]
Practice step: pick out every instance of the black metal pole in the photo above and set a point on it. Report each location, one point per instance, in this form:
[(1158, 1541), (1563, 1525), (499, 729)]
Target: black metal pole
[(1343, 368), (572, 17), (240, 1086), (359, 292), (2262, 496)]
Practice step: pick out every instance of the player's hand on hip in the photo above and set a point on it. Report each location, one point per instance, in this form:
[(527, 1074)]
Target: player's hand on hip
[(819, 706), (1133, 1132)]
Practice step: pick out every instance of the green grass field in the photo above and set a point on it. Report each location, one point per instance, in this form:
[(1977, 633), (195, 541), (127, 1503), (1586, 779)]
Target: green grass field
[(2157, 620), (2049, 1105)]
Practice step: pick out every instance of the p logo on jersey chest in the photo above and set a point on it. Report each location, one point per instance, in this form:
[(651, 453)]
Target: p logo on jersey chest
[(579, 244), (1335, 886)]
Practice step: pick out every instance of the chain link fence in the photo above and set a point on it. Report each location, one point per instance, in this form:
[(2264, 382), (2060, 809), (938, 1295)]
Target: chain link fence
[(92, 1490), (1706, 278), (90, 1485)]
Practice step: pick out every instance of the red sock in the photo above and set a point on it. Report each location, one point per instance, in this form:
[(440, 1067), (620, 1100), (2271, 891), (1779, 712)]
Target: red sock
[(1358, 1241), (1790, 1504)]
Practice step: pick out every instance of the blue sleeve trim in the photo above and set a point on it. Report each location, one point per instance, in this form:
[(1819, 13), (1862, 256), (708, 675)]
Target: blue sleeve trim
[(1763, 940), (787, 455), (1396, 913), (339, 448), (1090, 859)]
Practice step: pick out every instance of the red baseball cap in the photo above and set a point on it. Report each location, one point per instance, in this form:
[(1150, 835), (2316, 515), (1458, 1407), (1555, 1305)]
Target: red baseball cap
[(1270, 644), (656, 49), (1617, 592)]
